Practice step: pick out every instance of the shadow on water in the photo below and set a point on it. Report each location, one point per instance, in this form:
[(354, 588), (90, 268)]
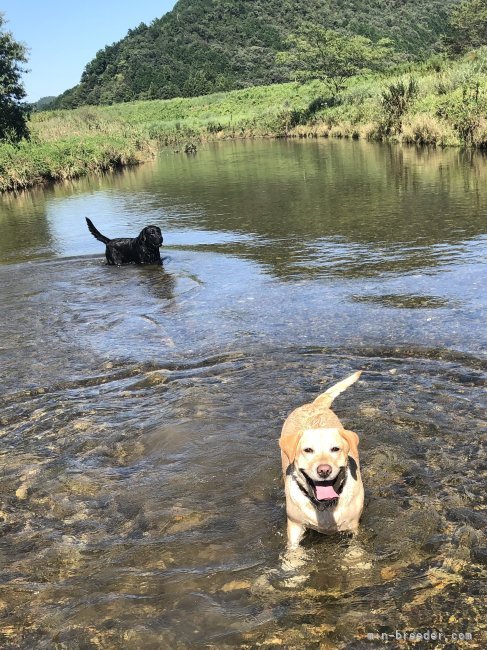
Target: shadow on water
[(142, 504)]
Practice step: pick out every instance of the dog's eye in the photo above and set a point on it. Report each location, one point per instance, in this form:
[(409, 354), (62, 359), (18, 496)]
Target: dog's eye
[(308, 450), (335, 449)]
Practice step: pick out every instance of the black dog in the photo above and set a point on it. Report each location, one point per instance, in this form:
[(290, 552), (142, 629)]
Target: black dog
[(143, 249)]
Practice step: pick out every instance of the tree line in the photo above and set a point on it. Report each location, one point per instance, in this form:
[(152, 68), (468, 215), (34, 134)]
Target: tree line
[(204, 46)]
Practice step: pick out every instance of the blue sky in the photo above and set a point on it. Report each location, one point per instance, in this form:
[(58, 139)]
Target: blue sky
[(63, 36)]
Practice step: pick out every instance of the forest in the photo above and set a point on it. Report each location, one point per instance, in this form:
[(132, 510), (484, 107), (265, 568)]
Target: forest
[(205, 46)]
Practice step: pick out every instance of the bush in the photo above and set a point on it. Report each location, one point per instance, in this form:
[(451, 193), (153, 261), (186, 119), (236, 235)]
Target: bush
[(395, 101), (214, 127), (465, 110)]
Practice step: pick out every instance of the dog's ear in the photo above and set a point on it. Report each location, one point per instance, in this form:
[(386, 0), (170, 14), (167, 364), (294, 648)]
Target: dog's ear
[(292, 432), (289, 443), (143, 236), (352, 438)]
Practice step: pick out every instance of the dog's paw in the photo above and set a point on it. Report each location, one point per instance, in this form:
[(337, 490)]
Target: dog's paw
[(293, 558), (356, 559)]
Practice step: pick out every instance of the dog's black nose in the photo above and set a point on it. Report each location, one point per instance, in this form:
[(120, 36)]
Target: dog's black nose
[(323, 470)]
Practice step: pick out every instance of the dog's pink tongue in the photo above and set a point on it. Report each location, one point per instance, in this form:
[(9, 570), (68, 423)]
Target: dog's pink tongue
[(325, 492)]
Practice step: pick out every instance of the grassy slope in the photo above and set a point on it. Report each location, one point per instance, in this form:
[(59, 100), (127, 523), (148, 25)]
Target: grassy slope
[(69, 144)]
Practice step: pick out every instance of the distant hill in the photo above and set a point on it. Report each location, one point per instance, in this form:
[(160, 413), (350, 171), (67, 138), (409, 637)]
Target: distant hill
[(44, 103), (202, 46)]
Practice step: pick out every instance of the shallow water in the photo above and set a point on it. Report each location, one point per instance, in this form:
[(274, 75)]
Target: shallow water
[(142, 504)]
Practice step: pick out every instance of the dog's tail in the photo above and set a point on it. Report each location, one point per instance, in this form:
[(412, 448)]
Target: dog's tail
[(96, 233), (325, 400)]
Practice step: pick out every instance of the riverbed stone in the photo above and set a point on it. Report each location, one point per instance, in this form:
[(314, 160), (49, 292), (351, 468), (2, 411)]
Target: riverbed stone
[(479, 555)]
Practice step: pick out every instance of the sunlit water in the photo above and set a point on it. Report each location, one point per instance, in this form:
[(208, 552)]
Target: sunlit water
[(142, 505)]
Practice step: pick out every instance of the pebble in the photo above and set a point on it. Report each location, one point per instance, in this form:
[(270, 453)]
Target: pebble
[(22, 492)]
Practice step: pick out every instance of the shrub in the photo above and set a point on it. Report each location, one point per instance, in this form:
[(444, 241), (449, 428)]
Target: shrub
[(214, 127), (395, 101), (443, 84), (465, 111)]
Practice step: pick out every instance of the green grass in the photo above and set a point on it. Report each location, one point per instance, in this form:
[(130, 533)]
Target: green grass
[(449, 109)]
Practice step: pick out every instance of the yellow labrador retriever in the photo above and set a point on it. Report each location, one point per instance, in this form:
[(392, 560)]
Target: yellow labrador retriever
[(320, 462)]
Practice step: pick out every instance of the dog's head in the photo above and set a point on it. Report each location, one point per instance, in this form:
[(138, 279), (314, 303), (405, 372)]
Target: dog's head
[(151, 236), (321, 455)]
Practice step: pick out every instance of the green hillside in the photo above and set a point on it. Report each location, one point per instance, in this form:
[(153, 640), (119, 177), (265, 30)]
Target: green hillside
[(204, 46)]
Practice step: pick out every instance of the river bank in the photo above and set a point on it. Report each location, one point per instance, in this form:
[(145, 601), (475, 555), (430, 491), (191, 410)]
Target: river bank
[(440, 103)]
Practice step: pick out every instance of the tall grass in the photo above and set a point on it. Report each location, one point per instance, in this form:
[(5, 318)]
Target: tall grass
[(447, 106)]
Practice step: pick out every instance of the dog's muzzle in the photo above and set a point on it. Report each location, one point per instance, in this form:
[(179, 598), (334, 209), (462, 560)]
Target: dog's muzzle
[(324, 494)]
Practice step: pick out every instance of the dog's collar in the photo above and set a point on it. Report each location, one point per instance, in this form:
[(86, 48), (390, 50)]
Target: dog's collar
[(338, 484)]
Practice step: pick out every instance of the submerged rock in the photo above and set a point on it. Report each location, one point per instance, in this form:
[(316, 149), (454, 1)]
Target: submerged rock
[(479, 555)]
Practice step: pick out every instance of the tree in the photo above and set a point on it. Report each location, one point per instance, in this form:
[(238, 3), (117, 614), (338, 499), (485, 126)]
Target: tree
[(13, 113), (196, 84), (468, 22), (317, 53)]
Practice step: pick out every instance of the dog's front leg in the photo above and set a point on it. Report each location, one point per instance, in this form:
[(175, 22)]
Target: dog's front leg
[(116, 257), (295, 533)]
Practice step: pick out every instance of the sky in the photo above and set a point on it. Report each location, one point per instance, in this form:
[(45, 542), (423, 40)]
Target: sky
[(64, 35)]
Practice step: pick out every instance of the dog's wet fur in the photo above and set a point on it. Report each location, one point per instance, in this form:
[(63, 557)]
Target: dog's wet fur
[(143, 249), (321, 469)]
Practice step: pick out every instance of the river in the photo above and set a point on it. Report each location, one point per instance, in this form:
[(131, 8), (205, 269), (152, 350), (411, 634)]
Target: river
[(142, 503)]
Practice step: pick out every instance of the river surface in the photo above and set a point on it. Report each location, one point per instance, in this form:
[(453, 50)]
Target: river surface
[(141, 498)]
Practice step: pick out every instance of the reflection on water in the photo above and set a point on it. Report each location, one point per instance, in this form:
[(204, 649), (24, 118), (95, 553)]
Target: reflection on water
[(142, 504)]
